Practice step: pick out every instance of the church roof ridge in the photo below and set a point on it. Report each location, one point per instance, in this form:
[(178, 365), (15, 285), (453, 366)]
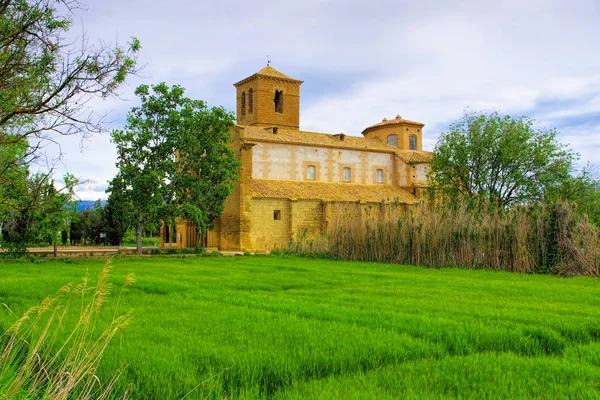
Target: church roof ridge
[(395, 121), (269, 72)]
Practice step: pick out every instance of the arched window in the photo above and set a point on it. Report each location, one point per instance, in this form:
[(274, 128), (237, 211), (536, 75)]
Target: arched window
[(347, 174), (311, 172), (243, 103), (392, 140), (412, 142), (379, 176), (250, 100), (278, 100)]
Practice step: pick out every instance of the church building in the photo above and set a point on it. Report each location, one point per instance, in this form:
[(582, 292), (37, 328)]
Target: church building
[(294, 181)]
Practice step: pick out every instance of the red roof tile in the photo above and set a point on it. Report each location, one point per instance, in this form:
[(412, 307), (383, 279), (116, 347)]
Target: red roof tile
[(350, 192)]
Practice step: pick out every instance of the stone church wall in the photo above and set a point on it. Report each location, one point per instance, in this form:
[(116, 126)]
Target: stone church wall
[(265, 231), (295, 218)]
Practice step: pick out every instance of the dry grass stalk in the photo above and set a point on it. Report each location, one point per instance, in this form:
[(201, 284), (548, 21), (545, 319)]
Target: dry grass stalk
[(528, 239), (37, 362)]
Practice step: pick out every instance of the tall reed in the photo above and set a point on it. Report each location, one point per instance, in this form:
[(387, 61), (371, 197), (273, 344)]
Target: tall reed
[(542, 238), (48, 354)]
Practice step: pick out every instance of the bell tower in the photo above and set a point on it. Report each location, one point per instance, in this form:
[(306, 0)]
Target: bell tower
[(268, 98)]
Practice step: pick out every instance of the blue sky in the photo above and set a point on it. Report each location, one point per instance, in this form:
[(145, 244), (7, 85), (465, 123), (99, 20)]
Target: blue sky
[(361, 61)]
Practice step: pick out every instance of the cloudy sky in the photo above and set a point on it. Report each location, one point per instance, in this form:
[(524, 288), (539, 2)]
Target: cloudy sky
[(361, 61)]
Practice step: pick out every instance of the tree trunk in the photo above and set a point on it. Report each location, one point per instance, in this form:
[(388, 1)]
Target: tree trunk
[(138, 234), (55, 246)]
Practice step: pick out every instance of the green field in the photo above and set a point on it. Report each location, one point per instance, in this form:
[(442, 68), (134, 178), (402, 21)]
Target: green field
[(292, 328)]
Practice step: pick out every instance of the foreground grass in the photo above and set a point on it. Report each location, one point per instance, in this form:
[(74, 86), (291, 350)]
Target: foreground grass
[(285, 328), (34, 365)]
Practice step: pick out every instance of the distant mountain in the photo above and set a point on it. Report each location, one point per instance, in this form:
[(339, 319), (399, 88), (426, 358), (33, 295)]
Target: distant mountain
[(88, 205)]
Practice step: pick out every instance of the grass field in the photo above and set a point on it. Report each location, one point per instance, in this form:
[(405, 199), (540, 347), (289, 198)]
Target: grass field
[(292, 328)]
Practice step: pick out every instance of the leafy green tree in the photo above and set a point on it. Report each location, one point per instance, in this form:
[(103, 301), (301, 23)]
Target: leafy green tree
[(47, 82), (58, 205), (13, 183), (117, 213), (582, 189), (41, 215), (505, 159), (173, 159), (70, 217), (90, 223)]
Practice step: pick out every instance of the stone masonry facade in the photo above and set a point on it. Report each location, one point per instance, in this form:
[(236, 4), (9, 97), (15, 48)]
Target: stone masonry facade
[(295, 182)]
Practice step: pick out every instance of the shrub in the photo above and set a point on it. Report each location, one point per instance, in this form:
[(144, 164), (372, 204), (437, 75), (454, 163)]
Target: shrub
[(129, 240)]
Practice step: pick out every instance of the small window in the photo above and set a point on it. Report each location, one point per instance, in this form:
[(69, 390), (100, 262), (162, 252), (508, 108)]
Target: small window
[(277, 215), (167, 237), (379, 176), (243, 103), (347, 174), (412, 142), (278, 100), (250, 100), (311, 172), (392, 140)]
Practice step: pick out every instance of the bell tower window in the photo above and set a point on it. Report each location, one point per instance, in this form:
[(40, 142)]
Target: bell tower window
[(259, 100), (250, 100), (278, 100), (243, 103)]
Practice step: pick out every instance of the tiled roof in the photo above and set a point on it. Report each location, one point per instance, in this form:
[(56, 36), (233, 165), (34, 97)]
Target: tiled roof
[(270, 72), (314, 139), (414, 156), (350, 192), (292, 136), (396, 121)]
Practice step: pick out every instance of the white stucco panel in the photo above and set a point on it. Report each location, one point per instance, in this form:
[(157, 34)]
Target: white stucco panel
[(280, 161), (379, 160), (271, 161), (305, 155), (421, 173), (403, 172)]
